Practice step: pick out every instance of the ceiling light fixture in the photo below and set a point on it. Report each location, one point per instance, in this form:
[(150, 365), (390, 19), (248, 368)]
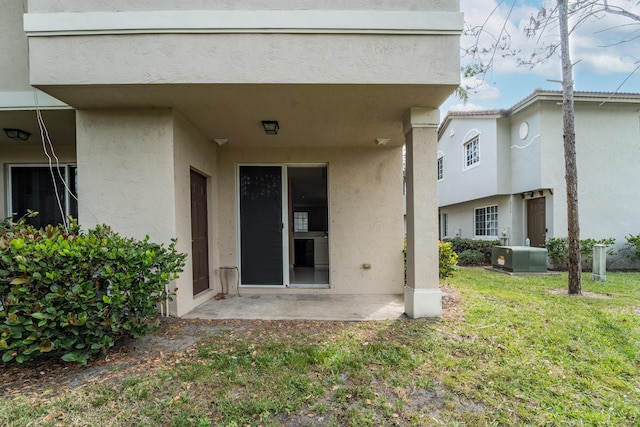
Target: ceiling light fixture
[(17, 134), (221, 141), (382, 141), (270, 127)]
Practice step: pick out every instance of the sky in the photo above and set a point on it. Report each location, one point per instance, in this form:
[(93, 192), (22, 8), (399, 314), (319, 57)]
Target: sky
[(601, 62)]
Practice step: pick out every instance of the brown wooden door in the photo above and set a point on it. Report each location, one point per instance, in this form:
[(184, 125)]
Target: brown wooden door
[(536, 223), (199, 233)]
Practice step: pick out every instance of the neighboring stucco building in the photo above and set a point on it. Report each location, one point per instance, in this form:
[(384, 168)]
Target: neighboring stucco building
[(156, 109), (501, 172)]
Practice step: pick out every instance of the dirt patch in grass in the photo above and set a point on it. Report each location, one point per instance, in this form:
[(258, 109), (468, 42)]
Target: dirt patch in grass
[(586, 294), (451, 308), (173, 343), (48, 376)]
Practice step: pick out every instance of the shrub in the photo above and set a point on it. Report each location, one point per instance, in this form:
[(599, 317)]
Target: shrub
[(482, 246), (633, 246), (586, 248), (558, 250), (471, 257), (448, 259), (75, 294)]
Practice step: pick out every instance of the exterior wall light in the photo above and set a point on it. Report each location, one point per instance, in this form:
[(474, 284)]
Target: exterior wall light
[(17, 134), (270, 127)]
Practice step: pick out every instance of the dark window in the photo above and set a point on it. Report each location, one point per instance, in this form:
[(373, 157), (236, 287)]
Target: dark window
[(43, 190)]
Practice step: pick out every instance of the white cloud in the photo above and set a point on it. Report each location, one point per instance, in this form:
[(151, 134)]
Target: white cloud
[(480, 89), (605, 64), (466, 107), (587, 42)]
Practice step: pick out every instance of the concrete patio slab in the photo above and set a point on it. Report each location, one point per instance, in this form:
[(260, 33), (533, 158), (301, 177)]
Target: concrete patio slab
[(302, 307)]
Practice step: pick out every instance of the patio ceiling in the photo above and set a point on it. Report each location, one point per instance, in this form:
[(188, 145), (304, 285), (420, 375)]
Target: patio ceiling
[(60, 123), (308, 114)]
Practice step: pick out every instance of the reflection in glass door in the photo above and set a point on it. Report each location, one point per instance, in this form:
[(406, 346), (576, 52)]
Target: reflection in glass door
[(261, 225), (309, 226)]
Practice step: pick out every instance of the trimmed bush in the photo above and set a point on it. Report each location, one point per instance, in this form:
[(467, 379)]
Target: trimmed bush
[(482, 246), (448, 259), (471, 257), (75, 294)]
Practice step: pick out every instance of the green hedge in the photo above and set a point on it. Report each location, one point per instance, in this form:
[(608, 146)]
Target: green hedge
[(558, 250), (75, 294), (476, 252)]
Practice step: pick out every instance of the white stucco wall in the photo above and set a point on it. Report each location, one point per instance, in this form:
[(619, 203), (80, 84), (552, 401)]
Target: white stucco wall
[(528, 164), (193, 151), (503, 156), (42, 6), (242, 58), (375, 42), (14, 68), (459, 183), (125, 171), (365, 213)]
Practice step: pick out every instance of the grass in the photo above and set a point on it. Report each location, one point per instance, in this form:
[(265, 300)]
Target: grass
[(518, 354)]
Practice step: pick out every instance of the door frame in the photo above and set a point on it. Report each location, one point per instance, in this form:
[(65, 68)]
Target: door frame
[(286, 226)]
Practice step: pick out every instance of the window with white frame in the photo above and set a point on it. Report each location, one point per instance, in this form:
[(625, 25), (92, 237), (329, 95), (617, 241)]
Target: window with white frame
[(486, 221), (301, 222), (52, 192), (472, 152), (440, 167)]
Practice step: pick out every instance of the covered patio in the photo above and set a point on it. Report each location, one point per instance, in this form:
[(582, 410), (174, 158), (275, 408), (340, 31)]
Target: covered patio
[(301, 307)]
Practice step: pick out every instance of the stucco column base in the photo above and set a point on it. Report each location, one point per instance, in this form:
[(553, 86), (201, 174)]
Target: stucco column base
[(422, 302)]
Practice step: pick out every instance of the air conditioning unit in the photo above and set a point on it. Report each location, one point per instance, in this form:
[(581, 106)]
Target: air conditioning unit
[(519, 259)]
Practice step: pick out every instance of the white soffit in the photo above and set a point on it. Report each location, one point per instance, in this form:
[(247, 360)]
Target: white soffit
[(245, 21), (28, 100)]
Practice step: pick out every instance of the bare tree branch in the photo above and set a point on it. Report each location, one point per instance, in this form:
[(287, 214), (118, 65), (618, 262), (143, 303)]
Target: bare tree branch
[(616, 10)]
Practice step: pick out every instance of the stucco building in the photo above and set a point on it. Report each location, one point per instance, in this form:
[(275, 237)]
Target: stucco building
[(501, 172), (265, 135)]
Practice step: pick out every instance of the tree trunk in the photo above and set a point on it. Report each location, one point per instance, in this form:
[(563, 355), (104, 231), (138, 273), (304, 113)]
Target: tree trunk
[(571, 170)]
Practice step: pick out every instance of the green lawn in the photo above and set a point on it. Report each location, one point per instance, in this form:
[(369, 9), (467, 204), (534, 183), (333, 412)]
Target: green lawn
[(512, 353)]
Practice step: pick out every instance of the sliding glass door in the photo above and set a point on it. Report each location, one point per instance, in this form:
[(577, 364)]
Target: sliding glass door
[(261, 225), (284, 227)]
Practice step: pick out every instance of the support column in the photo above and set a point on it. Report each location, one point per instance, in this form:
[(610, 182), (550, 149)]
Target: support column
[(422, 296)]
